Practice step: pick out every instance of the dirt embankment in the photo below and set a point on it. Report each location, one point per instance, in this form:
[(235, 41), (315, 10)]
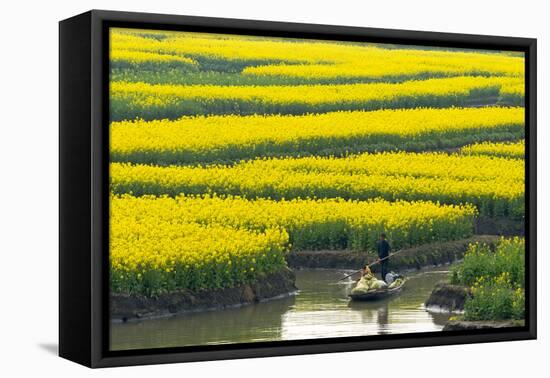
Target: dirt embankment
[(448, 298), (412, 258), (462, 325), (451, 298), (126, 307)]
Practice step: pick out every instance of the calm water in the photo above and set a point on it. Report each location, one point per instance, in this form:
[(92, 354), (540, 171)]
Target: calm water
[(320, 309)]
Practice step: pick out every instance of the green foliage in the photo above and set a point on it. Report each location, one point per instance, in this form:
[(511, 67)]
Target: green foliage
[(481, 262), (497, 280), (495, 300)]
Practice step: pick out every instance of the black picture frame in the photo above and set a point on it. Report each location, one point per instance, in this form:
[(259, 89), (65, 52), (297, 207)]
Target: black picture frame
[(84, 198)]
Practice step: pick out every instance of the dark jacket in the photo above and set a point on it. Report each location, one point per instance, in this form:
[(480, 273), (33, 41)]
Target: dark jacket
[(383, 248)]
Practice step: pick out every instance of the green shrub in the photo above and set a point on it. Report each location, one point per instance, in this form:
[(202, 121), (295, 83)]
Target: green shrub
[(497, 280), (495, 300), (480, 262)]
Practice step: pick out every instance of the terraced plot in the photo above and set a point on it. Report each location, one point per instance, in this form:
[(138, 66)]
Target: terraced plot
[(146, 101), (500, 192), (229, 138), (162, 244)]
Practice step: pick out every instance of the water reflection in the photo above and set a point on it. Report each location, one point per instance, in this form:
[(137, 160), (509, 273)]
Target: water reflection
[(321, 309)]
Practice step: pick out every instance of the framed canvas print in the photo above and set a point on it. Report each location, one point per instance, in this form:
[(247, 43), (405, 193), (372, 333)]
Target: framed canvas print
[(233, 188)]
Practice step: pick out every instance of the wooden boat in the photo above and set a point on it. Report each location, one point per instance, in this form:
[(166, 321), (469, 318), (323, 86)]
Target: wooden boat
[(377, 294)]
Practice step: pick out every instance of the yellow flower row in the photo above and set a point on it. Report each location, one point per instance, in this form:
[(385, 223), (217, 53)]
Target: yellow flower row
[(311, 224), (316, 94), (232, 137), (497, 189), (420, 165), (131, 100), (390, 64), (510, 150)]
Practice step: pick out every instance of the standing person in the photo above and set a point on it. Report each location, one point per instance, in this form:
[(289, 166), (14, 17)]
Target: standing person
[(383, 248)]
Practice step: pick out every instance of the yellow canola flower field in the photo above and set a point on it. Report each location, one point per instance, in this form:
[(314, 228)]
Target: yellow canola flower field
[(227, 151), (312, 224), (232, 137), (151, 254), (510, 150), (320, 59), (413, 178)]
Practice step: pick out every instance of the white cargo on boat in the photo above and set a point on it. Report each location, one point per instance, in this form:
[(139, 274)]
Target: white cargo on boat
[(368, 283)]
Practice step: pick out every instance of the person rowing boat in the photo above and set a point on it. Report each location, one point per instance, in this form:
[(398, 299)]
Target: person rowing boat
[(383, 248)]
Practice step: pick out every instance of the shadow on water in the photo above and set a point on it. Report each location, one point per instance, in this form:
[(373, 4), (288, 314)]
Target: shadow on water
[(321, 309)]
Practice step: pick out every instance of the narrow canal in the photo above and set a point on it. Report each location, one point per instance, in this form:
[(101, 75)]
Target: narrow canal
[(320, 309)]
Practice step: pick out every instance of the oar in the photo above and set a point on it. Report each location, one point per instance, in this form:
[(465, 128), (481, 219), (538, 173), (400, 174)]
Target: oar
[(369, 265), (349, 275)]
